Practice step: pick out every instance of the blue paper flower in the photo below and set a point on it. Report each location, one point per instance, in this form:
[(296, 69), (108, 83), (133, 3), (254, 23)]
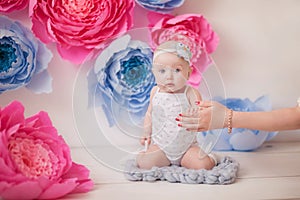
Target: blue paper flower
[(160, 5), (241, 139), (23, 59), (121, 80)]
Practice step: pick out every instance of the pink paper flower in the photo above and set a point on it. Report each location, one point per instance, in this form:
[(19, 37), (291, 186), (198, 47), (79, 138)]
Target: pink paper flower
[(190, 29), (78, 27), (35, 161), (7, 6)]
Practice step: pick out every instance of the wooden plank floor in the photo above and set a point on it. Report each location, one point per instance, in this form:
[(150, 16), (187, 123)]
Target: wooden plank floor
[(271, 172)]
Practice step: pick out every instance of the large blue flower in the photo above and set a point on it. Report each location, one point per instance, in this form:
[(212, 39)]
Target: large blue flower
[(121, 80), (160, 5), (23, 59), (241, 139)]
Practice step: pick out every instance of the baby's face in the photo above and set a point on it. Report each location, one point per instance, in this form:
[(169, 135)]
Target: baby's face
[(171, 72)]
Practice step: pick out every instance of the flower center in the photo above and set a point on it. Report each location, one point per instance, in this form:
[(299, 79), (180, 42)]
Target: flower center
[(33, 157), (7, 54), (133, 71), (79, 8)]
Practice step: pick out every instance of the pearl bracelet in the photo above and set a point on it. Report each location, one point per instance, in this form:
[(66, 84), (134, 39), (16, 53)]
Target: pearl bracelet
[(229, 121)]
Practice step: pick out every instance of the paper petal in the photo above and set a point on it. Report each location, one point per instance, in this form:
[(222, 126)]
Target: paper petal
[(59, 189), (271, 135), (223, 141), (263, 103), (247, 141), (76, 55), (154, 18), (116, 46), (222, 145), (41, 83), (24, 190), (81, 173), (44, 57), (92, 86), (195, 79), (31, 6), (161, 5)]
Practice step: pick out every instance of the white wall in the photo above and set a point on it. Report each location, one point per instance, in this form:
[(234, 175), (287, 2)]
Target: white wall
[(259, 50), (259, 46), (258, 54)]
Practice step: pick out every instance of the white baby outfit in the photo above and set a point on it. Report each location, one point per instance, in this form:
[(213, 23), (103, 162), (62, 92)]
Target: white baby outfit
[(171, 138)]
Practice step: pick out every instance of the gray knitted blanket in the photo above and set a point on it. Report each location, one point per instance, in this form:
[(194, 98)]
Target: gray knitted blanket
[(223, 173)]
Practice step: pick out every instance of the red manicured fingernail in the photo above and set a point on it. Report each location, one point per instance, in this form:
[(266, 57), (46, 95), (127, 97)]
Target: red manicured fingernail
[(197, 102), (177, 119), (180, 114), (179, 125)]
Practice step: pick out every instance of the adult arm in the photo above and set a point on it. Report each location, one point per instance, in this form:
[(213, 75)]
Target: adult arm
[(275, 120), (213, 115)]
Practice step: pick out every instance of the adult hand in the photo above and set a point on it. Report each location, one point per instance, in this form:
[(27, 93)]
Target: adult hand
[(207, 116)]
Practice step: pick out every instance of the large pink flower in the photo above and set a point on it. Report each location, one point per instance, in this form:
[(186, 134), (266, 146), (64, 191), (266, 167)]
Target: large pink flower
[(79, 26), (191, 29), (7, 6), (35, 161)]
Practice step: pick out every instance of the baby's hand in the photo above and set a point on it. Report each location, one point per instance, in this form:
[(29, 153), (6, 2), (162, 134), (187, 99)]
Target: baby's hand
[(144, 139)]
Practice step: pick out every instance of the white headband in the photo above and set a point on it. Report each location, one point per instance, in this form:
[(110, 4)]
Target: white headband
[(180, 49)]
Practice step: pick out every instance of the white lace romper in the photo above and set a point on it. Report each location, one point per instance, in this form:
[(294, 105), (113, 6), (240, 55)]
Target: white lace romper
[(171, 138)]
